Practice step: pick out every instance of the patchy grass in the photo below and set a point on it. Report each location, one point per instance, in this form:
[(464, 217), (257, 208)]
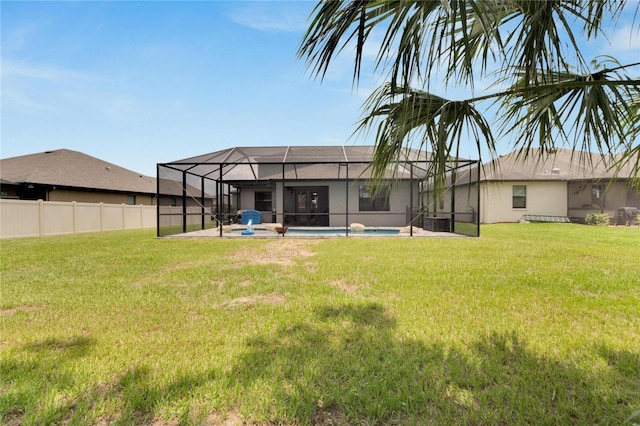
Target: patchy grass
[(529, 324)]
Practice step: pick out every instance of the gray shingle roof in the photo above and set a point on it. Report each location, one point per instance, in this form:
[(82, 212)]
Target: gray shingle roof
[(563, 165), (67, 168)]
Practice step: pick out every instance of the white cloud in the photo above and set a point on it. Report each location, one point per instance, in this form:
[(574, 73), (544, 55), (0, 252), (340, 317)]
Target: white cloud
[(270, 16), (626, 38), (14, 99), (17, 38), (16, 70)]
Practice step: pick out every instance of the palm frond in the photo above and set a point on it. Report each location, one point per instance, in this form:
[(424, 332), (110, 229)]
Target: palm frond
[(549, 102), (599, 12), (535, 46), (597, 104), (333, 26), (420, 35), (407, 117), (627, 165), (627, 162)]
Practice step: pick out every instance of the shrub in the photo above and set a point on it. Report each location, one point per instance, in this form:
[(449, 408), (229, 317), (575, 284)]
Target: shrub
[(598, 219)]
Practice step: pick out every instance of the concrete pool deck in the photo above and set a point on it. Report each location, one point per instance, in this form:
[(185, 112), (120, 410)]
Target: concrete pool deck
[(262, 231)]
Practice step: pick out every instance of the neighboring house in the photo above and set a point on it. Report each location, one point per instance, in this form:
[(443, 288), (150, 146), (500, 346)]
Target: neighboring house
[(564, 184), (305, 185), (66, 175)]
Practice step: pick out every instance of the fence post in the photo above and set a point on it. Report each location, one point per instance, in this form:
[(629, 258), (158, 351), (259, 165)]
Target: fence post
[(124, 213), (40, 218), (101, 217), (75, 216)]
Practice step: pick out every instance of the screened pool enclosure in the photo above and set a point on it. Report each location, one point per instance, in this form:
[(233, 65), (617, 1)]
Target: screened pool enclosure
[(314, 186)]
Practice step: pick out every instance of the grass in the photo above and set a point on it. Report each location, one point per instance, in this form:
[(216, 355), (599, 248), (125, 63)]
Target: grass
[(528, 324), (177, 229)]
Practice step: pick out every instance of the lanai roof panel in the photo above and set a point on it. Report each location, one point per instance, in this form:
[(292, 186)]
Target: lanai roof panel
[(322, 162), (315, 154)]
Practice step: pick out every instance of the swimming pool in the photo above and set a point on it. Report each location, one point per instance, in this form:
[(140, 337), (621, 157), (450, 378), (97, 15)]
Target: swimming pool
[(320, 232), (342, 231)]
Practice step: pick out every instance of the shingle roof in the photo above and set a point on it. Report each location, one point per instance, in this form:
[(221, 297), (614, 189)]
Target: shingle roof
[(64, 167), (563, 165)]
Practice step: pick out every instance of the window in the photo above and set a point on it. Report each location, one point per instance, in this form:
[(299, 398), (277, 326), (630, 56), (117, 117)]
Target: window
[(519, 196), (378, 202), (262, 201), (596, 194), (131, 200)]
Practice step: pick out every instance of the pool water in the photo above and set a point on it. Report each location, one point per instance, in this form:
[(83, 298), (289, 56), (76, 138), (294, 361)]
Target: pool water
[(342, 231), (319, 232)]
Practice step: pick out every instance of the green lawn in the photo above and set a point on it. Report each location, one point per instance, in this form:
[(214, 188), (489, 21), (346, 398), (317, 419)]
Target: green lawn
[(528, 324)]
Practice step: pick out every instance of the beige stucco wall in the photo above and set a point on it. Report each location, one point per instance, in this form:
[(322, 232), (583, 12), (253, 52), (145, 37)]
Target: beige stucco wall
[(466, 203), (548, 198), (614, 196), (399, 201), (247, 201), (98, 197), (396, 216)]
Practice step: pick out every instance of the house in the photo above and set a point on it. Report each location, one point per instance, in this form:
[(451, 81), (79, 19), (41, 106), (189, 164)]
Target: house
[(303, 185), (562, 184), (74, 186), (66, 175)]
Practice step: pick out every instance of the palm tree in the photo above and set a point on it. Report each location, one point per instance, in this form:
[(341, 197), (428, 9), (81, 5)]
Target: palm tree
[(546, 94)]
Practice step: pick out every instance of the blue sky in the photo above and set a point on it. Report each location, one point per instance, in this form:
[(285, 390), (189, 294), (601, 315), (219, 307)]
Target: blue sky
[(140, 83)]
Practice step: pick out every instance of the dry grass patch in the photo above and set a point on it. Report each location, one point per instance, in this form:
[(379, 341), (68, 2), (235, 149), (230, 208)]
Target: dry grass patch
[(343, 285), (281, 252), (329, 416), (172, 267), (231, 419), (11, 311), (272, 299)]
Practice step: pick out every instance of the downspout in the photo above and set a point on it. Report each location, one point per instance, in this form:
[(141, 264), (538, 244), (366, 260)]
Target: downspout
[(411, 202), (452, 225), (479, 208), (568, 191), (346, 216)]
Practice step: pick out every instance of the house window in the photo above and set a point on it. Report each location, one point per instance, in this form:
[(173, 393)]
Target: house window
[(519, 196), (377, 202), (263, 201), (131, 200), (596, 194), (173, 201)]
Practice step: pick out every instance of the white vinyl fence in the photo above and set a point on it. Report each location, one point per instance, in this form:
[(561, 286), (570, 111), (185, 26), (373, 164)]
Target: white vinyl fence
[(22, 218)]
